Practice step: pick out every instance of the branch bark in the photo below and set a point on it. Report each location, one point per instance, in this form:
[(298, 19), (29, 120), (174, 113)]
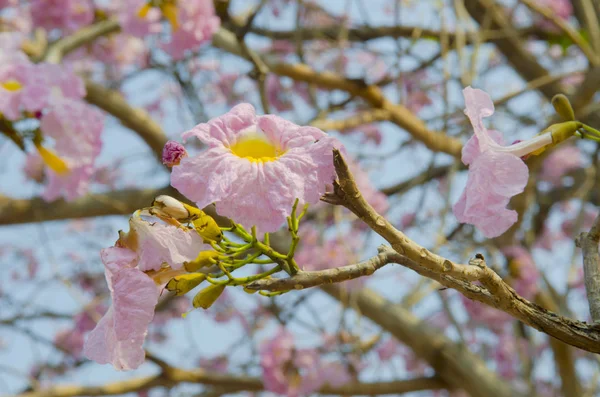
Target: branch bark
[(588, 242)]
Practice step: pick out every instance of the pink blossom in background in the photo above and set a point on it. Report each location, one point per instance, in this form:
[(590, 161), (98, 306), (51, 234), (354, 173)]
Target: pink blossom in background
[(197, 23), (559, 162), (69, 15), (255, 167), (562, 9), (72, 339), (568, 225), (496, 172), (387, 350), (296, 372), (486, 316), (416, 97), (10, 42), (119, 336), (370, 193), (131, 20), (62, 80), (34, 168), (22, 85), (76, 128), (527, 275), (277, 93), (407, 220), (506, 355), (121, 50)]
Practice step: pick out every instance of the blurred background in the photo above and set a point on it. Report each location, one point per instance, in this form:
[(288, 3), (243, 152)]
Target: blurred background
[(392, 333)]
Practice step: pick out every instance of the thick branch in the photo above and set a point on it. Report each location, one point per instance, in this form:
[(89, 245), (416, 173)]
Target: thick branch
[(135, 118), (458, 366), (495, 292), (230, 383), (588, 242), (119, 202)]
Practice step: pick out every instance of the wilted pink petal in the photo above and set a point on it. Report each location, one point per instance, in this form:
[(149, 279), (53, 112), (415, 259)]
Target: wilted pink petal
[(256, 167), (119, 336), (496, 172)]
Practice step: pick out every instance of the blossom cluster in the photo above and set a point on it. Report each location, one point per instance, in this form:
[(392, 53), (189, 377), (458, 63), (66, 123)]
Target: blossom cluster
[(53, 96)]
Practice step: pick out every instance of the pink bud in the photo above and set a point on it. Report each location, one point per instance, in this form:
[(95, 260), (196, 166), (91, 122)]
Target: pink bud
[(172, 153)]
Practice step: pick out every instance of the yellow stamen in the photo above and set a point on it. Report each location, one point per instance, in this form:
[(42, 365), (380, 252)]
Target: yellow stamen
[(169, 11), (52, 160), (12, 85), (255, 149), (143, 11)]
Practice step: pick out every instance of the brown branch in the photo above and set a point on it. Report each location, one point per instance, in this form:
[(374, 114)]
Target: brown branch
[(13, 211), (134, 118), (302, 279), (59, 49), (366, 117), (494, 291), (588, 242), (566, 28), (230, 383), (399, 115), (457, 366)]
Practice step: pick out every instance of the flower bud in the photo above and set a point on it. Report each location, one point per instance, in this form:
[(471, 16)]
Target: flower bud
[(207, 228), (185, 283), (171, 207), (208, 296), (204, 259), (563, 107), (172, 153)]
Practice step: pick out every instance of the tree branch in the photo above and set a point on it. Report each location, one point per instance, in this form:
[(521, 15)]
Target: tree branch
[(494, 291), (588, 242)]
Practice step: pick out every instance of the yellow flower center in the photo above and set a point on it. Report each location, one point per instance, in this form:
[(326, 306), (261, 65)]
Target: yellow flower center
[(52, 160), (168, 9), (11, 85), (255, 149)]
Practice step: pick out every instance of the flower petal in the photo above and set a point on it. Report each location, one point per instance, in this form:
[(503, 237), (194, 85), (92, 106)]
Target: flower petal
[(493, 179), (223, 130), (119, 336)]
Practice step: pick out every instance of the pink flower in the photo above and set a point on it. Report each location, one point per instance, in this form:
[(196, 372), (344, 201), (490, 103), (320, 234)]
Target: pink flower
[(493, 319), (135, 273), (120, 50), (135, 19), (172, 153), (276, 93), (523, 270), (10, 41), (69, 15), (496, 172), (559, 162), (76, 128), (22, 85), (296, 372), (255, 167), (196, 24)]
